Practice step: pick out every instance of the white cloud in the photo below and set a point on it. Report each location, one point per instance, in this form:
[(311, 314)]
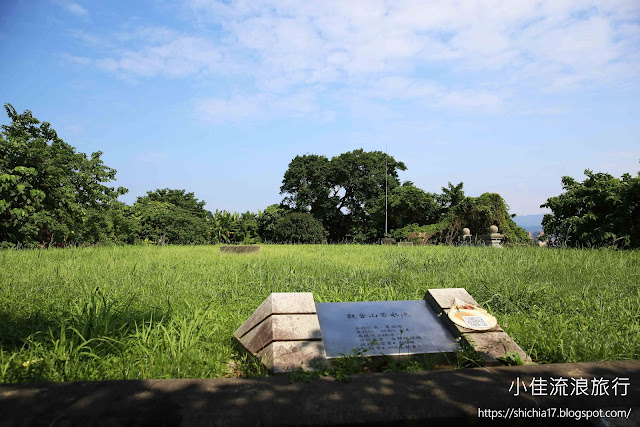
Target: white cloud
[(262, 106), (450, 54), (181, 57), (73, 8)]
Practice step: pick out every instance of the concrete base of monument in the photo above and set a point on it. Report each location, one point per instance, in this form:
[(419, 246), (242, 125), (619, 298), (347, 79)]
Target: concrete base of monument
[(284, 332), (289, 331), (490, 345), (239, 249), (390, 363)]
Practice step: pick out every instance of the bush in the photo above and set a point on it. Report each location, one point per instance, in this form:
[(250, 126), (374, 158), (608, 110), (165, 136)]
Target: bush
[(268, 221), (300, 227), (420, 235), (478, 214)]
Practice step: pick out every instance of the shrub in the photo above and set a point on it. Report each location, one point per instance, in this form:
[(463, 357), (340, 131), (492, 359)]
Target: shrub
[(300, 227)]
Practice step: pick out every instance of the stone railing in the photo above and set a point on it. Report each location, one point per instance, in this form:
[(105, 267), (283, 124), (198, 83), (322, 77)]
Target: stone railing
[(493, 238)]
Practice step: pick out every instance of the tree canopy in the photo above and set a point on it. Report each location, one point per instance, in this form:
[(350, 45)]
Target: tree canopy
[(172, 216), (600, 211), (342, 192), (46, 187)]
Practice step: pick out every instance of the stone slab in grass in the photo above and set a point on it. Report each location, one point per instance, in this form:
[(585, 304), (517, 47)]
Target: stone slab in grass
[(284, 332), (441, 299), (489, 344), (239, 249), (405, 243), (492, 345), (384, 328)]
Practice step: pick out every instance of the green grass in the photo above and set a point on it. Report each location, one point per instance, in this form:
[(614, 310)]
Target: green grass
[(170, 312)]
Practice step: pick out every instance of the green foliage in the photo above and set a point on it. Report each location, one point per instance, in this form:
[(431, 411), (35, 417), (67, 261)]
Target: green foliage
[(113, 224), (232, 227), (299, 227), (419, 234), (342, 192), (171, 216), (478, 214), (511, 359), (600, 211), (247, 230), (267, 221), (452, 196), (409, 204), (46, 187), (224, 225)]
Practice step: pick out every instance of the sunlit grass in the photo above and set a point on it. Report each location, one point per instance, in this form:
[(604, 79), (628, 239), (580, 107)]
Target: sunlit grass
[(170, 312)]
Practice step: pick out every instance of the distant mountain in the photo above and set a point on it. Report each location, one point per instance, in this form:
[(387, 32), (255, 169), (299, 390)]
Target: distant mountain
[(530, 223)]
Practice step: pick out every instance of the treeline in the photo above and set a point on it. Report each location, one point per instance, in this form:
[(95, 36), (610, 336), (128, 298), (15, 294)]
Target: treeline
[(51, 195)]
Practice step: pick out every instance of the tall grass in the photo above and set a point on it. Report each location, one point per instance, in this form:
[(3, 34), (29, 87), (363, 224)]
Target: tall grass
[(170, 312)]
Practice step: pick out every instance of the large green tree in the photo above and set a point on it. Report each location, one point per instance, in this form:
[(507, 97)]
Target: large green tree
[(600, 211), (46, 187), (342, 192), (409, 204), (172, 216)]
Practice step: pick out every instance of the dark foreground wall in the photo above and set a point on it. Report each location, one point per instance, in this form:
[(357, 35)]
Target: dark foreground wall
[(448, 397)]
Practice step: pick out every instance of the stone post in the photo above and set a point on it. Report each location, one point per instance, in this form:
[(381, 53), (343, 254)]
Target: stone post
[(465, 239), (493, 238)]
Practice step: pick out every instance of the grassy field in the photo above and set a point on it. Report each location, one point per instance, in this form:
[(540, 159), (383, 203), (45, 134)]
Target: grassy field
[(170, 312)]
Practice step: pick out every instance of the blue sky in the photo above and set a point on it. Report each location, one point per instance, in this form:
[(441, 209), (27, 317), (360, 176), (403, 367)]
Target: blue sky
[(218, 97)]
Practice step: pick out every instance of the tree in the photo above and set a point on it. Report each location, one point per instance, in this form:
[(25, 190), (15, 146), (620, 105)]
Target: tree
[(300, 227), (409, 204), (451, 196), (46, 187), (172, 216), (247, 229), (267, 221), (224, 225), (478, 214), (116, 224), (600, 211), (179, 198), (342, 192)]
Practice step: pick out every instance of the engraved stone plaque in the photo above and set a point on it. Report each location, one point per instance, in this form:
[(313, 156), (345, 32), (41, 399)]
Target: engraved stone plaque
[(383, 328)]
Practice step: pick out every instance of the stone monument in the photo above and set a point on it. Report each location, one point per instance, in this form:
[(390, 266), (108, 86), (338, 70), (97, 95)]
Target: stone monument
[(289, 331)]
